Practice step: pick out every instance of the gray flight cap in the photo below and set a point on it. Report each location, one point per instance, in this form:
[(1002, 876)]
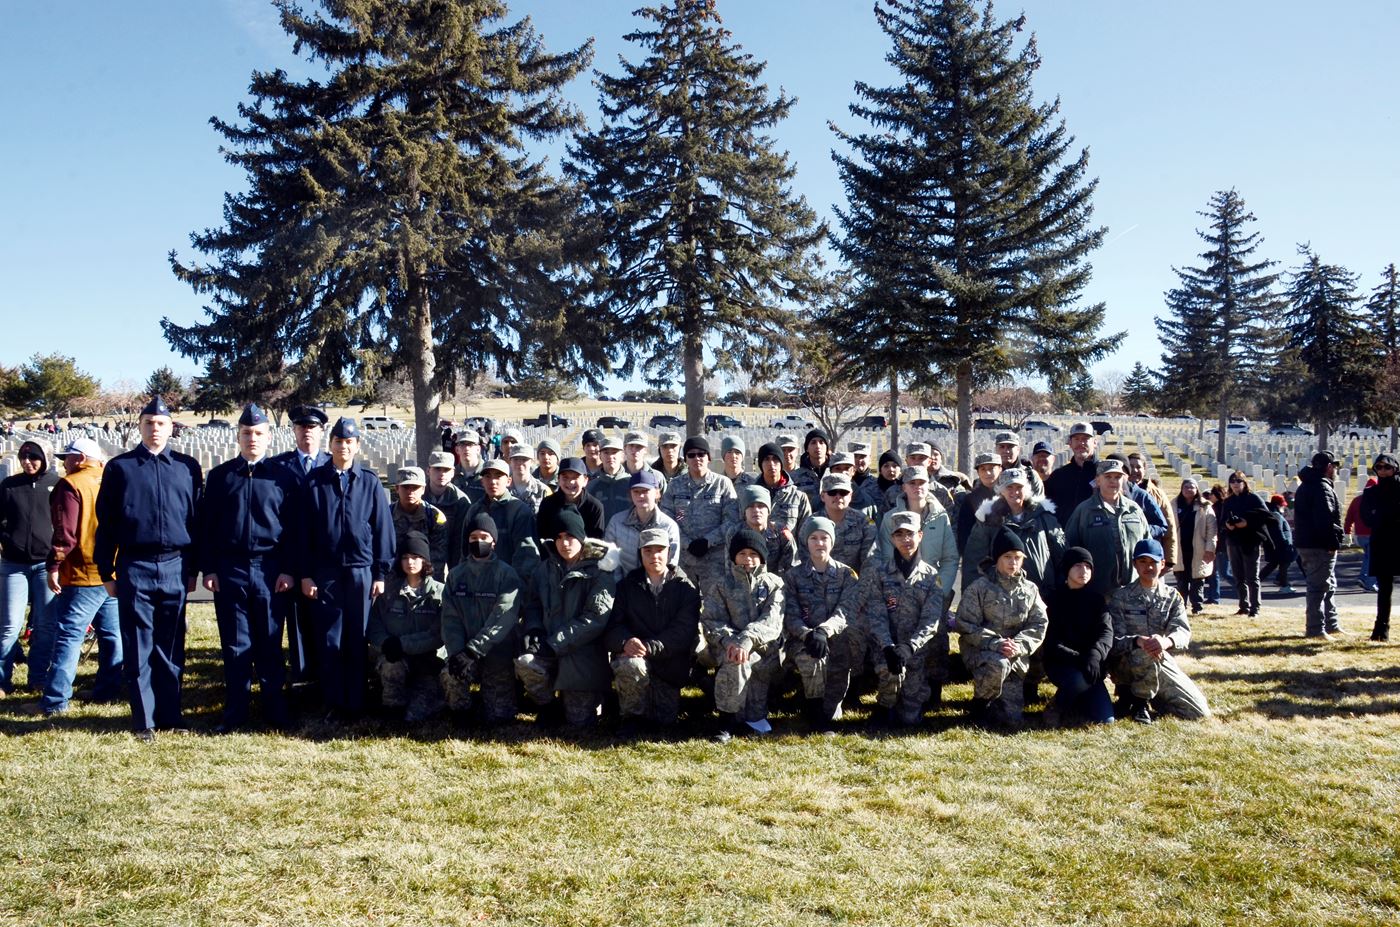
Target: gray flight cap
[(786, 441), (834, 482), (668, 437), (1006, 437), (497, 465), (841, 460), (411, 476), (441, 460), (1081, 428), (611, 443), (901, 520), (518, 451)]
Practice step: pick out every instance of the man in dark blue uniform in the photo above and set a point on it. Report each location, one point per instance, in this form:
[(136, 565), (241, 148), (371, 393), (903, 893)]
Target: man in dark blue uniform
[(145, 555), (345, 544), (243, 555), (294, 609)]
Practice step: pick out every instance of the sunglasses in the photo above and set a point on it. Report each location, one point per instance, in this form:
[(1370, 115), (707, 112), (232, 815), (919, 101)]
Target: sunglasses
[(696, 455), (837, 492), (30, 455)]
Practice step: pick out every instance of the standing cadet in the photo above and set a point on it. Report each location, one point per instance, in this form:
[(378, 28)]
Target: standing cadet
[(573, 490), (865, 485), (706, 508), (523, 485), (625, 529), (788, 505), (345, 542), (410, 513), (853, 541), (815, 459), (732, 451), (755, 506), (466, 447), (634, 453), (668, 461), (820, 599), (448, 499), (1009, 453), (244, 553), (547, 455), (988, 468), (145, 556), (592, 445), (308, 427), (652, 635), (937, 545), (611, 484), (480, 622), (515, 520)]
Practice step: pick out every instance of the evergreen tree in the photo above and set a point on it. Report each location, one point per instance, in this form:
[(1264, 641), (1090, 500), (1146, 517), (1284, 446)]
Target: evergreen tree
[(968, 213), (391, 213), (1220, 337), (1082, 393), (1140, 389), (704, 240), (1338, 355), (163, 382), (1383, 320), (49, 384)]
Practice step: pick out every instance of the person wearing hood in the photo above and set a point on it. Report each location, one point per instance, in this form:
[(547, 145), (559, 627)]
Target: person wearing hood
[(26, 541), (1108, 524), (743, 623), (815, 459), (1196, 542), (788, 505), (1149, 627), (405, 629), (1380, 510), (651, 636), (1001, 623), (1078, 639), (755, 506), (901, 612), (1317, 533), (480, 623), (1246, 528), (1073, 483), (821, 597), (706, 507), (1031, 517), (565, 613)]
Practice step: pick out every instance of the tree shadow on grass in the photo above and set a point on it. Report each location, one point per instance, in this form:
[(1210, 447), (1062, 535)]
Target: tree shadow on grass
[(1268, 646), (1319, 693)]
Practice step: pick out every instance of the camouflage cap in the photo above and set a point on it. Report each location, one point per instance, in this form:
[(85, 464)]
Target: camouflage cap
[(904, 520), (786, 441), (1109, 466), (668, 437), (441, 459), (1006, 437), (914, 474), (497, 465), (836, 482), (611, 443), (411, 476), (982, 460), (636, 437), (521, 450), (917, 449), (654, 537), (841, 460)]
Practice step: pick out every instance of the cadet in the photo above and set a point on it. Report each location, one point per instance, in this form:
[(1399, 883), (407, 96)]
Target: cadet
[(821, 597), (405, 628), (732, 451), (573, 490), (345, 543), (888, 477), (853, 540), (246, 556), (864, 484), (1107, 525), (1009, 453), (612, 483), (668, 462), (634, 453), (523, 485), (480, 629), (743, 622), (145, 555), (652, 635), (937, 546), (1073, 483), (988, 467), (466, 447), (410, 513), (624, 530), (788, 505), (592, 444), (782, 549), (308, 427), (447, 499), (1001, 622), (902, 608), (816, 457), (706, 508), (547, 456), (787, 444), (1149, 623), (567, 606), (511, 438), (918, 454), (515, 520)]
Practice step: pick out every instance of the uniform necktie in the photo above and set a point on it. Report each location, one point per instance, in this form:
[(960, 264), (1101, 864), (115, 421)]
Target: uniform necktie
[(306, 464), (344, 481)]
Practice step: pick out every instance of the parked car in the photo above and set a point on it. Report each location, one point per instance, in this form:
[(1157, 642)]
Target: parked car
[(1101, 427), (792, 420), (215, 423), (542, 421), (990, 424), (1290, 431), (1233, 428), (665, 420), (870, 421), (612, 421), (930, 424), (768, 405), (1036, 424), (720, 421)]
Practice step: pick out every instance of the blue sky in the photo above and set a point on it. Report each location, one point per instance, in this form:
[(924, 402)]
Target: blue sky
[(107, 161)]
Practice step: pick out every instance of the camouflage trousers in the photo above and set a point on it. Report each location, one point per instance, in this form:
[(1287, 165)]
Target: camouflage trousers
[(923, 678), (827, 678), (642, 695), (536, 673), (742, 688), (495, 682), (411, 684), (705, 572), (1160, 682), (991, 673)]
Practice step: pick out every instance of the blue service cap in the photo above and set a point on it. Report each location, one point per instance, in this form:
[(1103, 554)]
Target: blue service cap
[(156, 406), (1148, 547), (645, 477), (252, 415), (345, 427), (308, 415)]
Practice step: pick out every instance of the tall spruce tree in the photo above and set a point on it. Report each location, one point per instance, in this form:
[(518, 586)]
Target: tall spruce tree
[(1326, 332), (968, 213), (1139, 389), (1221, 334), (1383, 321), (705, 242), (391, 212)]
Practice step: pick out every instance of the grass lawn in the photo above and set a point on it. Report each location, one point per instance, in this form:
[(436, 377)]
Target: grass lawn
[(1281, 810)]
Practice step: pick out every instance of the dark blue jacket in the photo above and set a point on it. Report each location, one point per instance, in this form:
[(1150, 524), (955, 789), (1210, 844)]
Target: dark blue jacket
[(1317, 515), (244, 511), (146, 509), (335, 529), (292, 465)]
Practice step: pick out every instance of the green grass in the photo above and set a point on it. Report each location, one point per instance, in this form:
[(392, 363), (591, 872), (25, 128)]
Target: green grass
[(1281, 810)]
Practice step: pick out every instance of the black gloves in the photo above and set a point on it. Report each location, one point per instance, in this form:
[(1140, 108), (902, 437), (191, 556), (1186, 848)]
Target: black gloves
[(392, 649), (894, 660), (458, 664), (817, 647), (699, 547), (532, 643), (1093, 669)]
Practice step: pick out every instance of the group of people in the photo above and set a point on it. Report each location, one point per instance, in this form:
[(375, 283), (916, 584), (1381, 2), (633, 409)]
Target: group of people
[(612, 580)]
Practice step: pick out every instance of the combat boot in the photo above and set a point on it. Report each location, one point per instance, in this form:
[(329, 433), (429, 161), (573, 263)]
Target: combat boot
[(1141, 713), (1381, 631)]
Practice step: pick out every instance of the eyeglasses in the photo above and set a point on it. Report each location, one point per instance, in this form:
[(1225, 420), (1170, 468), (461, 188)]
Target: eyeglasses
[(1235, 479), (695, 455)]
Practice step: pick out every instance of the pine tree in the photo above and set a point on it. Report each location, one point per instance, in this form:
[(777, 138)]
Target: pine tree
[(705, 241), (1338, 355), (49, 384), (1082, 392), (1383, 320), (1220, 336), (391, 213), (1140, 389), (968, 213), (163, 382)]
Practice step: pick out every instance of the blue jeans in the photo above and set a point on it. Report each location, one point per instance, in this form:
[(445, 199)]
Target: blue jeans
[(75, 608), (1368, 580), (1076, 695), (24, 586)]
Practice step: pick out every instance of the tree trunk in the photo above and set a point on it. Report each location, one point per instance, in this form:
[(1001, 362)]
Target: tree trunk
[(426, 402), (1220, 436), (1324, 431), (1394, 436), (693, 360), (965, 419), (894, 411)]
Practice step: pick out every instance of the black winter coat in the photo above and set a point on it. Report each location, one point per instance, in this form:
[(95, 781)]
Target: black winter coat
[(668, 624), (1080, 633), (1317, 515), (1380, 510), (26, 528), (1070, 485), (1256, 517)]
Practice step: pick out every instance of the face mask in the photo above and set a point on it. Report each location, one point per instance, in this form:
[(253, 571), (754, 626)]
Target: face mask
[(481, 549)]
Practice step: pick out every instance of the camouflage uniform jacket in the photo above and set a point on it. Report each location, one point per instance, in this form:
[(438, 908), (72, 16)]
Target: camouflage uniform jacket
[(569, 607), (430, 520), (745, 478), (808, 480), (866, 495), (854, 544), (1139, 612), (901, 611), (827, 600), (744, 609), (790, 507), (939, 548), (614, 492), (411, 617), (995, 607), (706, 508), (480, 607), (454, 504), (530, 491), (515, 532)]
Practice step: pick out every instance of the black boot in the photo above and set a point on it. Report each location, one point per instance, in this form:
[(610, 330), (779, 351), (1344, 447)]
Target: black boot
[(1140, 711), (1381, 632), (818, 718)]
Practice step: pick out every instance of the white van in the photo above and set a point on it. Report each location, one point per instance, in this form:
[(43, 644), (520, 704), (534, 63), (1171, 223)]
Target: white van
[(380, 423)]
